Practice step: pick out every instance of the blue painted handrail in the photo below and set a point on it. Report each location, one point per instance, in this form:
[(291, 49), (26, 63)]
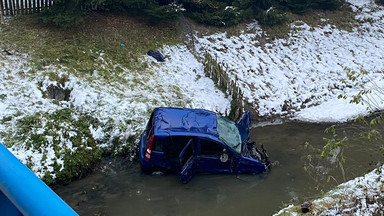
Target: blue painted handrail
[(26, 191)]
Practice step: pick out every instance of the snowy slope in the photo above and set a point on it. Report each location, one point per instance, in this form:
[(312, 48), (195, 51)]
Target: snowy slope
[(127, 103), (303, 71)]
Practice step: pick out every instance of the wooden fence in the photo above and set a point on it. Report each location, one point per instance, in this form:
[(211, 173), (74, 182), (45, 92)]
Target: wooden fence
[(19, 7), (218, 73)]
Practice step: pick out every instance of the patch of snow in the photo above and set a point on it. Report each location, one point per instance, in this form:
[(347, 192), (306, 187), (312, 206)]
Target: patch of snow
[(98, 133)]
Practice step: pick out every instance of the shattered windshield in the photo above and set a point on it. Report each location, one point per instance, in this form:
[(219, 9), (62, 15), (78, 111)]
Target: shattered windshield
[(229, 133)]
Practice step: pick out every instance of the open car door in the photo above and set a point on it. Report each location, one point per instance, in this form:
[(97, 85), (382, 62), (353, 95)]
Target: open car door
[(187, 158), (243, 124)]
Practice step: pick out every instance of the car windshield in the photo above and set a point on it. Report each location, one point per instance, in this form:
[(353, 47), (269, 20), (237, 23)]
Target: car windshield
[(229, 133)]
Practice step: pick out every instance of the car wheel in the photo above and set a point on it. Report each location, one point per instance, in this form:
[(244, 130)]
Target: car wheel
[(158, 171)]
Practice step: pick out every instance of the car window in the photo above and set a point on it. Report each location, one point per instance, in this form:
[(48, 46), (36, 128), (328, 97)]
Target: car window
[(187, 155), (210, 148), (229, 133), (173, 148), (158, 145)]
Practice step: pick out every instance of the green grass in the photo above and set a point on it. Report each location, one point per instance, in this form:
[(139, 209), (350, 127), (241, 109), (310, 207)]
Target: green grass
[(78, 49)]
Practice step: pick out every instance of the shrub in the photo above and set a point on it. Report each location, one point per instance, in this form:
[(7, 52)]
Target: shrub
[(164, 13), (215, 13), (262, 4), (302, 6), (326, 4), (379, 2), (298, 6), (62, 15), (69, 13), (272, 17)]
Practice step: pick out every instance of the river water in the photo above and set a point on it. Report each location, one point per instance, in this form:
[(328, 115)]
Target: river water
[(126, 191)]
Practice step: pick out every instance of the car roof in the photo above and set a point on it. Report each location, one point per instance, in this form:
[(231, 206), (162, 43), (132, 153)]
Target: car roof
[(183, 120)]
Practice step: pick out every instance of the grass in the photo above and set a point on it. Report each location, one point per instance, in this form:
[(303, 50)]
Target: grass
[(81, 47)]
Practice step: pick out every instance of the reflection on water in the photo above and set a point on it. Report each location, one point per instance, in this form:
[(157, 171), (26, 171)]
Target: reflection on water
[(128, 192)]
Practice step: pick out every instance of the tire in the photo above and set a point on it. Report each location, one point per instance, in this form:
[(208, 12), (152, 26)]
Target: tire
[(158, 171)]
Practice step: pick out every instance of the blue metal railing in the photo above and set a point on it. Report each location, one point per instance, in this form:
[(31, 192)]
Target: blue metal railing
[(23, 193)]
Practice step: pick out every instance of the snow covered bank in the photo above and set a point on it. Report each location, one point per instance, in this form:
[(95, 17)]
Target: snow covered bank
[(300, 76), (361, 196), (118, 110)]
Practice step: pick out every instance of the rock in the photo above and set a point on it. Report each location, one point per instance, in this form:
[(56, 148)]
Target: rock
[(306, 207), (57, 93)]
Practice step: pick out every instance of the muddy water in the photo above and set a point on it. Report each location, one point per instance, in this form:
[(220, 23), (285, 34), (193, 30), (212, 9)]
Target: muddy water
[(128, 192)]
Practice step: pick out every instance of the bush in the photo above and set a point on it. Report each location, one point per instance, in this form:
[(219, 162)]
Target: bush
[(166, 13), (210, 12), (216, 13), (151, 11), (326, 4), (272, 17), (62, 15), (262, 4), (379, 2), (302, 6), (298, 6), (69, 13)]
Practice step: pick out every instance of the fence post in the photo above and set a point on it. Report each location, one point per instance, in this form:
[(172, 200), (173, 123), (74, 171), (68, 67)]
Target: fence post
[(30, 9), (17, 9), (21, 7), (38, 6), (5, 8), (11, 7), (1, 12), (34, 7)]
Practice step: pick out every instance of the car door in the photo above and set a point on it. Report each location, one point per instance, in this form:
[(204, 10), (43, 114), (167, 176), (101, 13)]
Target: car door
[(243, 124), (213, 157), (187, 158)]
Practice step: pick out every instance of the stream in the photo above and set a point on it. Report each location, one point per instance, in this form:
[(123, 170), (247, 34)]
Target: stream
[(126, 191)]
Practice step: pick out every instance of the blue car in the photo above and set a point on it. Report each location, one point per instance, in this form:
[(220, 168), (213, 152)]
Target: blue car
[(189, 141)]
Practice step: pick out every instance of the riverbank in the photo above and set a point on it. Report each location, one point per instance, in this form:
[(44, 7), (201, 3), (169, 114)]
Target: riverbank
[(301, 76), (360, 196)]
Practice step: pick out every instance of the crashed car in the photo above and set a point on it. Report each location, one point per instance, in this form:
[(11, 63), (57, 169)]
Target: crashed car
[(189, 141)]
